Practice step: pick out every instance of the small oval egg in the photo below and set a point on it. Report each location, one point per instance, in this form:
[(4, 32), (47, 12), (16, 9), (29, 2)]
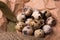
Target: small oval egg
[(39, 33), (27, 11), (20, 26), (51, 21), (36, 14), (27, 30), (47, 29), (21, 17)]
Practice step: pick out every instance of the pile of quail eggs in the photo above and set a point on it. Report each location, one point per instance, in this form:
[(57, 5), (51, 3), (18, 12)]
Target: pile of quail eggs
[(35, 22)]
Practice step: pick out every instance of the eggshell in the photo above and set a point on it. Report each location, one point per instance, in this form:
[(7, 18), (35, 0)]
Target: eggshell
[(39, 33)]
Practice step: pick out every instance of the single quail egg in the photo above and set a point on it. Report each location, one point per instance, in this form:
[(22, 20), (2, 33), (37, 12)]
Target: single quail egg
[(39, 33), (27, 30), (51, 21), (27, 11), (36, 14), (20, 26), (48, 14), (47, 29), (21, 17), (35, 24)]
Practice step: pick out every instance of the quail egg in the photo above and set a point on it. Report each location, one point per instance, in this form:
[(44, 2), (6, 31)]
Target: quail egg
[(27, 11), (21, 17), (51, 21), (27, 30), (20, 26), (36, 14), (47, 29), (39, 33)]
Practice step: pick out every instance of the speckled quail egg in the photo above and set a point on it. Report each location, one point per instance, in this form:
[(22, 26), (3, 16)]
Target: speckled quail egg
[(48, 14), (39, 33), (36, 14), (20, 26), (35, 24), (51, 21), (27, 11), (47, 29), (21, 17), (27, 30)]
